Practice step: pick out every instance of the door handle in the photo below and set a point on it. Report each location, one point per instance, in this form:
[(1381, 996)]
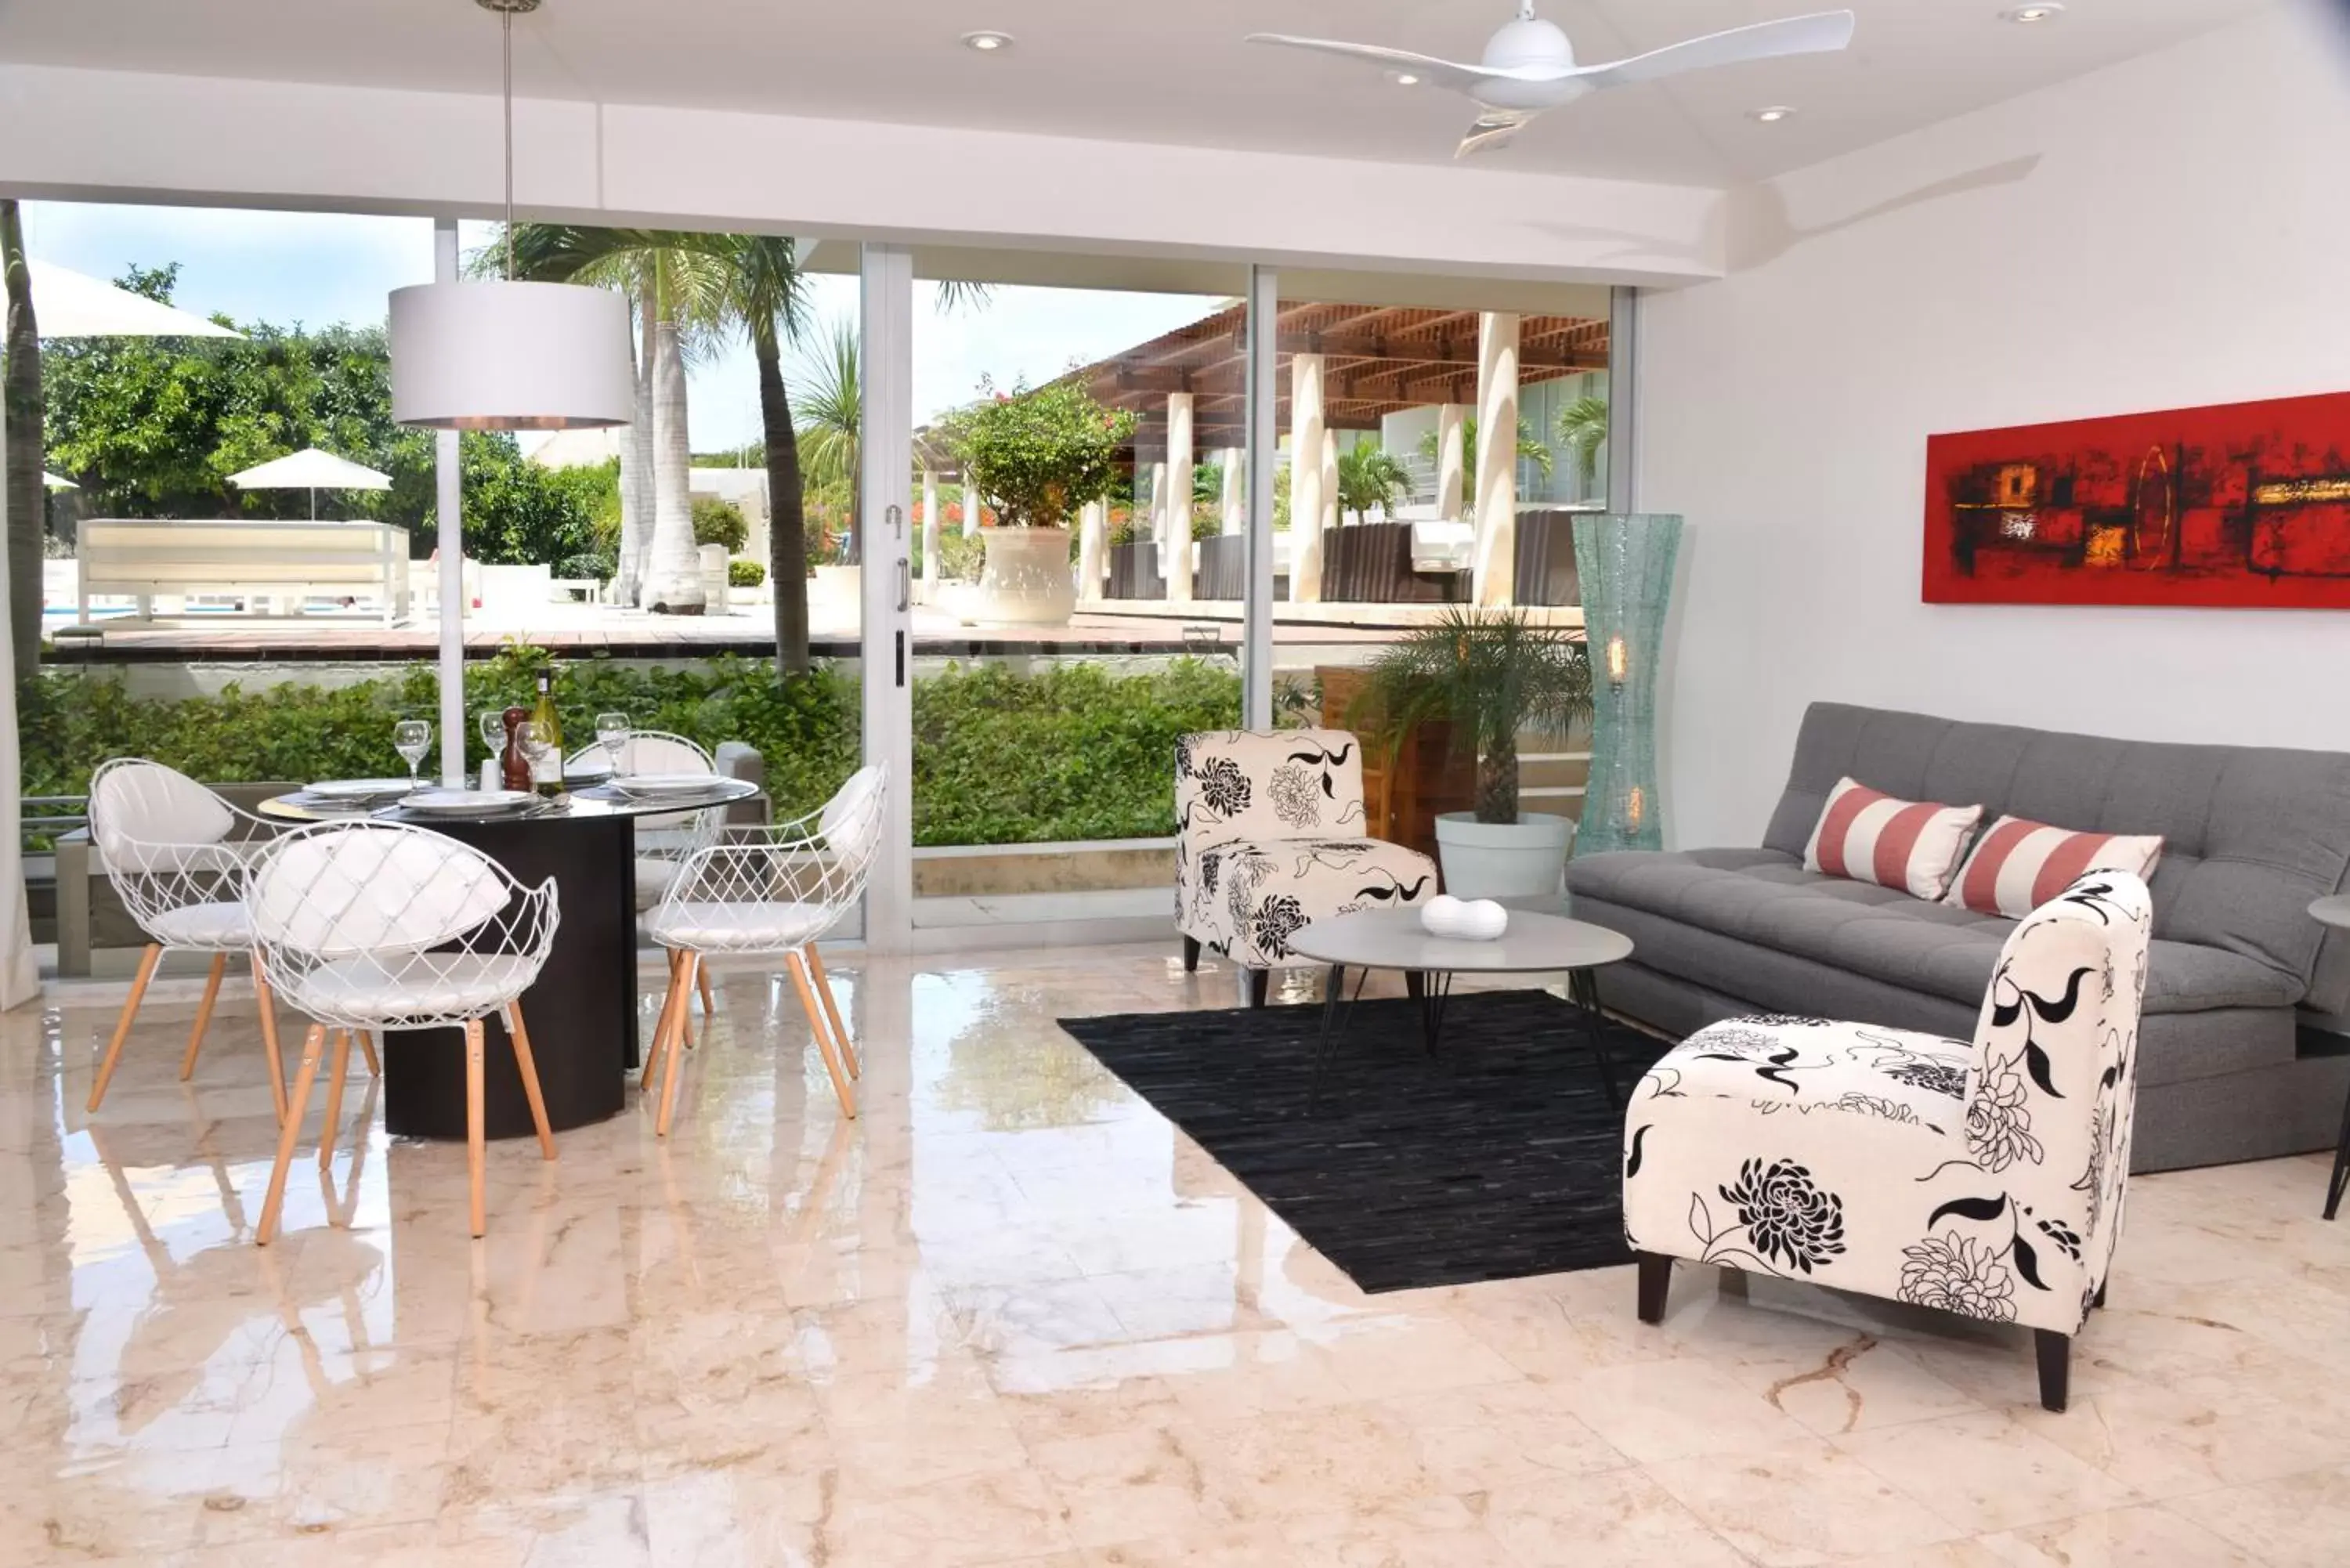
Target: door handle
[(904, 585)]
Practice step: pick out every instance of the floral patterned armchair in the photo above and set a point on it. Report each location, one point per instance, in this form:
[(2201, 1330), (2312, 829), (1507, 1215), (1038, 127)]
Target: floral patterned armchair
[(1269, 839), (1983, 1178)]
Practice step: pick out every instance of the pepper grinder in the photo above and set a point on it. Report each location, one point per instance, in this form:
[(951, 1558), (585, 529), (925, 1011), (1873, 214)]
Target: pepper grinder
[(513, 768)]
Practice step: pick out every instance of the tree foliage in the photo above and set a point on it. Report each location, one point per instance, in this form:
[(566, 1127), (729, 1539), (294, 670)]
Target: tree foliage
[(1369, 475), (718, 521), (1039, 455)]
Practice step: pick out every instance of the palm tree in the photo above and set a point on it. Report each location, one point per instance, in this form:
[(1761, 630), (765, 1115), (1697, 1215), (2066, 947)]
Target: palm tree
[(681, 294), (21, 407), (1369, 475), (767, 302), (1582, 430), (829, 417), (1529, 451)]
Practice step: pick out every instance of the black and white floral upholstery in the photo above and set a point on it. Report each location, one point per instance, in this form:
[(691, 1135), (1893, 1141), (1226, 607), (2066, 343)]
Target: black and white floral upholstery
[(1269, 839), (1982, 1177)]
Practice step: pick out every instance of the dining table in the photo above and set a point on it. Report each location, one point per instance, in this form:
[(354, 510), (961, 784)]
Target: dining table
[(581, 1011)]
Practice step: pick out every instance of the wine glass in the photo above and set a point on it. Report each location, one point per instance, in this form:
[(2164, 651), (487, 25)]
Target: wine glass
[(412, 738), (494, 732), (612, 735), (538, 743)]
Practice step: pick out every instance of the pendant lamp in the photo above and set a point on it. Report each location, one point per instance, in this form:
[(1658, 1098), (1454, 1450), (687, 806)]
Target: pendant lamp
[(508, 355)]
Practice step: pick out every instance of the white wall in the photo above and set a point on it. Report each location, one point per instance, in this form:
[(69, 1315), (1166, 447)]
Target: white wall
[(2170, 232)]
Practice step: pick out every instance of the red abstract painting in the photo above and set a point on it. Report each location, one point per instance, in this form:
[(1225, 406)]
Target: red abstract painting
[(2237, 506)]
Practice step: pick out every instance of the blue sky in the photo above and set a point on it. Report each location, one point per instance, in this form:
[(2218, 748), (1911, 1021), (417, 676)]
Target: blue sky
[(322, 268)]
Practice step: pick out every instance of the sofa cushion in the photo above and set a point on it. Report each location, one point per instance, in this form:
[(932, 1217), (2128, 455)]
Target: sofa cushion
[(2251, 834), (1766, 898)]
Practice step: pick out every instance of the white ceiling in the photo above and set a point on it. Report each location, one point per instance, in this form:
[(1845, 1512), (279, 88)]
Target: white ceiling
[(1175, 72)]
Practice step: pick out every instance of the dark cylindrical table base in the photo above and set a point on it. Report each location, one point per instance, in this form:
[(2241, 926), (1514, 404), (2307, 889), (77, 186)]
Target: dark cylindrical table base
[(581, 1013)]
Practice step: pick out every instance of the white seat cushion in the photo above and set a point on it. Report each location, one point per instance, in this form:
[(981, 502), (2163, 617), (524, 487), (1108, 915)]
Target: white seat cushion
[(746, 928), (653, 878), (1810, 1064), (411, 985), (221, 926)]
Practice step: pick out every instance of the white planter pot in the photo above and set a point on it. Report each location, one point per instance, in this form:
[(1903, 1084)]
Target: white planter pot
[(840, 589), (1027, 580), (1521, 859)]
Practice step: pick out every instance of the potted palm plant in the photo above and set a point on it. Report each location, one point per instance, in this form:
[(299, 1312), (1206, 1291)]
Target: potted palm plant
[(1038, 456), (1494, 676)]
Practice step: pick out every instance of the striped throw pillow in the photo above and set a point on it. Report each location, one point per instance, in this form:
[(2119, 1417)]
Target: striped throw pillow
[(2020, 864), (1870, 837)]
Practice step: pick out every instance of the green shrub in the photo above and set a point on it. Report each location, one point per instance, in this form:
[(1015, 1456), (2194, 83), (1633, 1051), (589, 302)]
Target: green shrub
[(742, 573), (1072, 752), (717, 522)]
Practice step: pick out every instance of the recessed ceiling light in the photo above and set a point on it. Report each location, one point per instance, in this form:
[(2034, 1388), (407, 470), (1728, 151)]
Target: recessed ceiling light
[(987, 43), (1772, 115), (1403, 78), (2042, 11)]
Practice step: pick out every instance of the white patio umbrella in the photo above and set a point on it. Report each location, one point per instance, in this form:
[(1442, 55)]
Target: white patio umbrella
[(66, 304), (311, 469), (54, 482)]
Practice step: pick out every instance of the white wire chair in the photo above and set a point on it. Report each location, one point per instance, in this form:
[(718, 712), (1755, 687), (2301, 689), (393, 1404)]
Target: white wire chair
[(770, 891), (380, 926), (175, 854), (667, 840)]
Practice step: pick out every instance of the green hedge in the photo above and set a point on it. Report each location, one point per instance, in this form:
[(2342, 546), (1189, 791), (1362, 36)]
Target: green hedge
[(1071, 753)]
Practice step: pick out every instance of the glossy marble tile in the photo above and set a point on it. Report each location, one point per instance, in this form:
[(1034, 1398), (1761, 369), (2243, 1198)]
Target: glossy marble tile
[(1011, 1317)]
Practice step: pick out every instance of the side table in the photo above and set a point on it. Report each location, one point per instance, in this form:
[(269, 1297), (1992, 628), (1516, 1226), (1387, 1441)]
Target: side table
[(2335, 911)]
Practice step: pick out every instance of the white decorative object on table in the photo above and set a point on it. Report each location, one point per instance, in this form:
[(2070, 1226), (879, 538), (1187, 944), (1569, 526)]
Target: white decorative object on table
[(1440, 916), (1480, 920)]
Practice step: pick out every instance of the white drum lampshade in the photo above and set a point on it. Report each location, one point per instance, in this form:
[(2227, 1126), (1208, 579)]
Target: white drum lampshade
[(511, 356)]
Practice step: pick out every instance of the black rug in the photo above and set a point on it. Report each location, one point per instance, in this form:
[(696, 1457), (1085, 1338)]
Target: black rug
[(1497, 1159)]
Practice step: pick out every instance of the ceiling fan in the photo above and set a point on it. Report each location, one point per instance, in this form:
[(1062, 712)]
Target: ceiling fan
[(1529, 66)]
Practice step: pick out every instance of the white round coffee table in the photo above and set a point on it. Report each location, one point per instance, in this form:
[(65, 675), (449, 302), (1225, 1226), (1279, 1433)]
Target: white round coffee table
[(1394, 939)]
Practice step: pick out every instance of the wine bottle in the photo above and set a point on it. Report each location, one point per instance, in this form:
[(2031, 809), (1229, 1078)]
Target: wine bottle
[(547, 773)]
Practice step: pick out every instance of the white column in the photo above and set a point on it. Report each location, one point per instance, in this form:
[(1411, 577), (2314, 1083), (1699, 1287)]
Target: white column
[(1305, 433), (885, 490), (1093, 535), (1330, 518), (930, 535), (1156, 516), (449, 504), (1177, 555), (1234, 505), (1450, 467), (972, 503), (1495, 580)]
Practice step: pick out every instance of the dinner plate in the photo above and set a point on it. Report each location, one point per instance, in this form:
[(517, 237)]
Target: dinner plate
[(666, 783), (357, 789), (467, 802)]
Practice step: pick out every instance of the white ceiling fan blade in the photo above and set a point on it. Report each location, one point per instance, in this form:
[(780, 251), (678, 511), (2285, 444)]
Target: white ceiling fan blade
[(1427, 68), (1493, 128), (1816, 35)]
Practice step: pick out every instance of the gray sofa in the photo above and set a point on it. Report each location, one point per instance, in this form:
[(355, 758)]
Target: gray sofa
[(2250, 835)]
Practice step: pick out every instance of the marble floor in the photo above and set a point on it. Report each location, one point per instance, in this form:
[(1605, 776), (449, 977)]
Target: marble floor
[(1013, 1316)]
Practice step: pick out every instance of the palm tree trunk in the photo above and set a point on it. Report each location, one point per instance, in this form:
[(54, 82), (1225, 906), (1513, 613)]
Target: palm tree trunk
[(673, 577), (1497, 785), (786, 515), (637, 470), (21, 406)]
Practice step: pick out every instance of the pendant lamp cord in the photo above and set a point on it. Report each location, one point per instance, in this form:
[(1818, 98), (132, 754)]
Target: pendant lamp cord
[(507, 18)]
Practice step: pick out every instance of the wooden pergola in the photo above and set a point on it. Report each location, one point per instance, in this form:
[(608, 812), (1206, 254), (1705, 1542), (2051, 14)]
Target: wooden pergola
[(1379, 360)]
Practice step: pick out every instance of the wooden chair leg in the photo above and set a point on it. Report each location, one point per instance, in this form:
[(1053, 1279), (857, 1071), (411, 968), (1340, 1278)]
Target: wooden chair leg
[(337, 1069), (312, 1044), (268, 1005), (709, 1003), (2055, 1352), (366, 1049), (203, 1016), (832, 1011), (661, 1027), (816, 1024), (520, 1037), (1656, 1284), (475, 1151), (1190, 955), (147, 963), (661, 1058), (675, 1070)]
